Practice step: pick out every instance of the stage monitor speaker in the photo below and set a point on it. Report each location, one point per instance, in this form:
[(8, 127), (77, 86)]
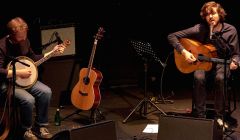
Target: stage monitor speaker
[(105, 130), (188, 128)]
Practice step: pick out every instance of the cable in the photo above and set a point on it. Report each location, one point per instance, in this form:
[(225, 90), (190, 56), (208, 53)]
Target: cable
[(161, 84)]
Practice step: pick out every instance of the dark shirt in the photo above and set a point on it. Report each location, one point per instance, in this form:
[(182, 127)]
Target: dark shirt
[(14, 50), (226, 39)]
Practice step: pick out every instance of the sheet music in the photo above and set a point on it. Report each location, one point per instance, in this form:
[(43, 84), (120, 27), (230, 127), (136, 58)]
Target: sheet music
[(151, 128)]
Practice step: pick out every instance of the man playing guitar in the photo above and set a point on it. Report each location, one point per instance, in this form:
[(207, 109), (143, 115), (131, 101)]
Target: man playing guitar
[(224, 38)]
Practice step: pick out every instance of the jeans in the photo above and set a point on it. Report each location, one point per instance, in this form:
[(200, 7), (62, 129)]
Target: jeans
[(38, 95)]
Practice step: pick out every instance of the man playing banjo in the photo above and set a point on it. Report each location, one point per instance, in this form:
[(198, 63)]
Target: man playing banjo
[(17, 44)]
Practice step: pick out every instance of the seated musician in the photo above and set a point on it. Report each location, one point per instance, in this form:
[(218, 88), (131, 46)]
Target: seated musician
[(224, 37), (15, 44)]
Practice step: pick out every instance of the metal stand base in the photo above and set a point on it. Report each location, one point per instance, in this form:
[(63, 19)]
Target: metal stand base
[(96, 115), (143, 105), (75, 112), (161, 101)]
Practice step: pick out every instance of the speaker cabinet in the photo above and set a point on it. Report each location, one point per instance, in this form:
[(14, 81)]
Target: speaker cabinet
[(187, 128), (60, 75), (105, 130)]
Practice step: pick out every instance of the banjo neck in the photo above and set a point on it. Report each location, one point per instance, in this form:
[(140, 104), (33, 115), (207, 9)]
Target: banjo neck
[(40, 61)]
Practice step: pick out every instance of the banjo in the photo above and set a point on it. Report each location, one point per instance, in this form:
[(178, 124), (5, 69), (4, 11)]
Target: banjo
[(31, 80)]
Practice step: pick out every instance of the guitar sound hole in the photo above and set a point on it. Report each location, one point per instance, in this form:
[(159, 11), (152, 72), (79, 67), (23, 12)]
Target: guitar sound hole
[(86, 80)]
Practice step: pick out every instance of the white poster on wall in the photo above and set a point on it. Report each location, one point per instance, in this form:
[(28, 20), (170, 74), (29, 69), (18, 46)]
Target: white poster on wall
[(51, 37)]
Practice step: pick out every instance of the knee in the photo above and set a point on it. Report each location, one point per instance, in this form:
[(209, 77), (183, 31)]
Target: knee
[(219, 79), (199, 78), (47, 93), (29, 100)]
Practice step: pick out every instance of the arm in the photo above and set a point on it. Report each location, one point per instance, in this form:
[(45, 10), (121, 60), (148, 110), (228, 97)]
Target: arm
[(196, 32), (7, 73), (59, 49), (234, 45)]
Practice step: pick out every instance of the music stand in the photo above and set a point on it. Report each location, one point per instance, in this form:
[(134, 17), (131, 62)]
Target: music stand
[(146, 53), (152, 55)]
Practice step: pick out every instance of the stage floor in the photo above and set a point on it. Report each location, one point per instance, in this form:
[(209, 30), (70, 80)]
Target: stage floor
[(116, 105)]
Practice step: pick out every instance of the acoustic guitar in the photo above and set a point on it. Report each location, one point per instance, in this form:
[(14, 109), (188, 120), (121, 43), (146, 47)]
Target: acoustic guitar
[(5, 122), (204, 53), (8, 117), (86, 94), (31, 80)]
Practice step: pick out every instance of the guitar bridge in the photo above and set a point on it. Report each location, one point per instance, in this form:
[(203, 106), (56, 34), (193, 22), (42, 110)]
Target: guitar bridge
[(83, 94)]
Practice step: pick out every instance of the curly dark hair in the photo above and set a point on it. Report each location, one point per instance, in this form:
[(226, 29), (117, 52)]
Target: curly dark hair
[(208, 7)]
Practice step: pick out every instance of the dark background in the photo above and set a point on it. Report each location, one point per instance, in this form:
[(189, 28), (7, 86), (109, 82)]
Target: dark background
[(123, 21)]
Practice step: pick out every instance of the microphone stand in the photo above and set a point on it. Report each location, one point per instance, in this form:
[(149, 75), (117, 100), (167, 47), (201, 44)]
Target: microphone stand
[(227, 51), (13, 82), (58, 40)]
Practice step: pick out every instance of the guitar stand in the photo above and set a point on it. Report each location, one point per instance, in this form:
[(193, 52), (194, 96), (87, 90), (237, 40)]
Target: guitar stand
[(75, 112), (95, 113)]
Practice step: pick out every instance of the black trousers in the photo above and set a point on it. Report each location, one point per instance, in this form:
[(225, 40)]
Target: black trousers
[(215, 81)]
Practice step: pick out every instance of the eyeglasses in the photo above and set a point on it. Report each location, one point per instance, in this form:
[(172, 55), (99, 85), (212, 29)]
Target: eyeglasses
[(19, 28)]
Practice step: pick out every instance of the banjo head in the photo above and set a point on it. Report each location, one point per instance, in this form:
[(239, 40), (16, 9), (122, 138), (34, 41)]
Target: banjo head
[(26, 82)]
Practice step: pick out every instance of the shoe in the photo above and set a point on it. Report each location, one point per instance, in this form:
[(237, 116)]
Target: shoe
[(42, 132), (231, 121), (224, 125), (28, 135), (198, 115)]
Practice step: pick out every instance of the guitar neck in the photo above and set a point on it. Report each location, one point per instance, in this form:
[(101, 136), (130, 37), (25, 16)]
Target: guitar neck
[(40, 61), (92, 56), (97, 37), (214, 60)]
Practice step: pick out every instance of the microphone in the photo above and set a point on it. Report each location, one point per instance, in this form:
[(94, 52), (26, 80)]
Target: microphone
[(211, 32), (58, 38)]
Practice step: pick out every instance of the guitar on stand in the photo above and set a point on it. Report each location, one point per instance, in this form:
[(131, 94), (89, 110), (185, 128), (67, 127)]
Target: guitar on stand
[(86, 94)]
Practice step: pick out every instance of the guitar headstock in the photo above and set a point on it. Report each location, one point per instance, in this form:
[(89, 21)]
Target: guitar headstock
[(66, 43), (99, 34)]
